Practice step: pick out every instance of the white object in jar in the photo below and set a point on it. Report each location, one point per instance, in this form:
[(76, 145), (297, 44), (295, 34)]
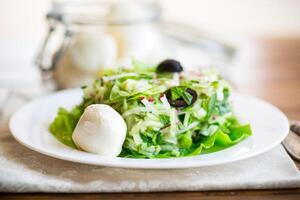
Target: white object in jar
[(100, 130), (66, 75), (137, 41), (142, 40), (92, 51)]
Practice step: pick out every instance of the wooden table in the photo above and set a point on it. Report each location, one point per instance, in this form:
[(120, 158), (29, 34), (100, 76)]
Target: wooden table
[(271, 70)]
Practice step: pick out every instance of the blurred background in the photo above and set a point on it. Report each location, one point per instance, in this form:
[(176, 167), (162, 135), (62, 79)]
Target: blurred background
[(263, 34)]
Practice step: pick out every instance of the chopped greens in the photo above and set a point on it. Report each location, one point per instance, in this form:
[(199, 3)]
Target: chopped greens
[(205, 123)]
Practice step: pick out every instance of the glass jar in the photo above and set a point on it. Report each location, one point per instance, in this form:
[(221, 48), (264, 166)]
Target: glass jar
[(85, 37)]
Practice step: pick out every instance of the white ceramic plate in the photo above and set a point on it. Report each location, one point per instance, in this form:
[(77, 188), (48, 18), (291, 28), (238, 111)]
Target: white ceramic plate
[(30, 125)]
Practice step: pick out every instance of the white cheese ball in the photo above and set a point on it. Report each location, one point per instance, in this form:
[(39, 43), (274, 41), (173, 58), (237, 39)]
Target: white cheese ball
[(91, 51), (136, 41), (100, 130), (66, 75)]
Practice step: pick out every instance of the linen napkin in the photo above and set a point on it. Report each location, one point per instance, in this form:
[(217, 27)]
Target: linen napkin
[(23, 170)]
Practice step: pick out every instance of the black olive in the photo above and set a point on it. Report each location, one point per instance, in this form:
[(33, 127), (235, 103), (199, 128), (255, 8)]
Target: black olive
[(170, 66), (180, 102)]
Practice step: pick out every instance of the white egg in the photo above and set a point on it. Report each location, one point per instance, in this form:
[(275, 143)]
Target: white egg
[(100, 130), (92, 51)]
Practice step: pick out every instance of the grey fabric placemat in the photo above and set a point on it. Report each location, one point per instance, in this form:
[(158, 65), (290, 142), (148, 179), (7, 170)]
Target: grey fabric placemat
[(23, 170)]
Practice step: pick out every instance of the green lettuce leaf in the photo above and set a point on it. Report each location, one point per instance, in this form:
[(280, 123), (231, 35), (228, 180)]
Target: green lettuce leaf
[(64, 124), (220, 140)]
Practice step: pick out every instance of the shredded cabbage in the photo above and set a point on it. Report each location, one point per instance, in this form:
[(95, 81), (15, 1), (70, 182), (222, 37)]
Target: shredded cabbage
[(155, 128)]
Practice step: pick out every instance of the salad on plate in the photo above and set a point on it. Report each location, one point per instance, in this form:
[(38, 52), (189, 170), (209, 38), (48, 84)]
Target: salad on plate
[(152, 112)]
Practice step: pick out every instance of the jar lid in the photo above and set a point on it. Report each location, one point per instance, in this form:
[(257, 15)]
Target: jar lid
[(105, 12)]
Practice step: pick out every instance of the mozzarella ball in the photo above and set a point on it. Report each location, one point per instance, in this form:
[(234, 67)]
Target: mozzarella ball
[(100, 130), (135, 41), (66, 75), (91, 51)]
